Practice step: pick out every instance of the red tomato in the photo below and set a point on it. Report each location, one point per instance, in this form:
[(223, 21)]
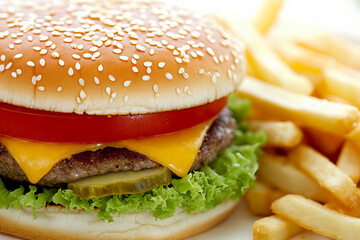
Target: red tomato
[(44, 126)]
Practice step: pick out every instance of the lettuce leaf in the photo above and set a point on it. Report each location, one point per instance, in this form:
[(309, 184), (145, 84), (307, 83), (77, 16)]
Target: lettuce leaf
[(229, 176)]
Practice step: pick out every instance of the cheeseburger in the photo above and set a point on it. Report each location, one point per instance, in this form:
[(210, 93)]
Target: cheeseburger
[(114, 121)]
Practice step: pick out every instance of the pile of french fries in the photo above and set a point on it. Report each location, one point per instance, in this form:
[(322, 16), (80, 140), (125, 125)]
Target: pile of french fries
[(305, 94)]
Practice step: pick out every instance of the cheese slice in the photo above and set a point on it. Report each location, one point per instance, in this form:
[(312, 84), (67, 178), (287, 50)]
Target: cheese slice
[(177, 151)]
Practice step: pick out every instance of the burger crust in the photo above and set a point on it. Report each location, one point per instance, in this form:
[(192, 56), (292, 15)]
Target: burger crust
[(56, 222), (113, 57)]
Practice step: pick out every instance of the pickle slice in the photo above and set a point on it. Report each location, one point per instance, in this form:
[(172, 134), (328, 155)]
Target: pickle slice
[(121, 183)]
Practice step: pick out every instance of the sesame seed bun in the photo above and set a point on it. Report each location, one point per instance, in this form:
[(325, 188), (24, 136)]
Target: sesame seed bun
[(56, 223), (113, 57)]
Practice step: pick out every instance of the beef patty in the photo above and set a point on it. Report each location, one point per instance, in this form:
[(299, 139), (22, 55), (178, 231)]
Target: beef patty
[(90, 163)]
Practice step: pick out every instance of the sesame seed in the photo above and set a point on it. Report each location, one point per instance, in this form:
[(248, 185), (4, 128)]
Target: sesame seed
[(111, 78), (41, 88), (135, 69), (14, 74), (100, 68), (210, 51), (96, 55), (200, 53), (213, 79), (82, 94), (137, 57), (55, 54), (181, 70), (59, 89), (37, 48), (42, 62), (3, 58), (117, 51), (30, 38), (68, 40), (133, 60), (108, 90), (2, 67), (77, 57), (201, 71), (80, 47), (93, 49), (61, 63), (145, 78), (71, 71), (19, 41), (33, 80), (11, 46), (147, 64), (38, 78), (152, 51), (43, 52), (178, 91), (126, 98), (8, 66), (127, 83), (87, 55), (156, 88), (161, 64), (169, 76), (148, 70), (96, 80), (124, 58), (20, 55), (81, 82), (78, 100), (19, 71), (186, 76), (77, 66), (178, 60)]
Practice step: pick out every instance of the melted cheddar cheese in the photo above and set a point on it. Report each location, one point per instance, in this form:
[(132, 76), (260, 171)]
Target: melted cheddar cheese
[(177, 151)]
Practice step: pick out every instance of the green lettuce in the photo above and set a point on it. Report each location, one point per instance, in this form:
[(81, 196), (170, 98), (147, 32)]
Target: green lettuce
[(229, 176)]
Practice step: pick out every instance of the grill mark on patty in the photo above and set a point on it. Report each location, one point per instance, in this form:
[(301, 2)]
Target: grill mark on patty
[(90, 163)]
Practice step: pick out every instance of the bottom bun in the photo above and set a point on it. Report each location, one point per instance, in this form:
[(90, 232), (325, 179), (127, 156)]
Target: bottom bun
[(56, 222)]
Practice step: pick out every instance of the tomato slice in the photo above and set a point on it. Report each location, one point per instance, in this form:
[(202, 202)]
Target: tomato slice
[(44, 126)]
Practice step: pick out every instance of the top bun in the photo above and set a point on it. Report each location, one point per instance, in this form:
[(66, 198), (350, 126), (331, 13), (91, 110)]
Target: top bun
[(113, 57)]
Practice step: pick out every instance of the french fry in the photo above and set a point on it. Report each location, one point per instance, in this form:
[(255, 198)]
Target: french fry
[(327, 175), (316, 217), (268, 65), (327, 143), (279, 134), (280, 104), (302, 59), (266, 14), (343, 82), (349, 161), (282, 174), (344, 51), (260, 198), (274, 228)]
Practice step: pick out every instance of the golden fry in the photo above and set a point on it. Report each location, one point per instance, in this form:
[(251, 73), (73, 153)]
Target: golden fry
[(343, 82), (327, 175), (344, 51), (260, 198), (280, 104), (274, 228), (316, 217), (279, 172), (266, 14), (267, 63), (279, 134), (349, 161)]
